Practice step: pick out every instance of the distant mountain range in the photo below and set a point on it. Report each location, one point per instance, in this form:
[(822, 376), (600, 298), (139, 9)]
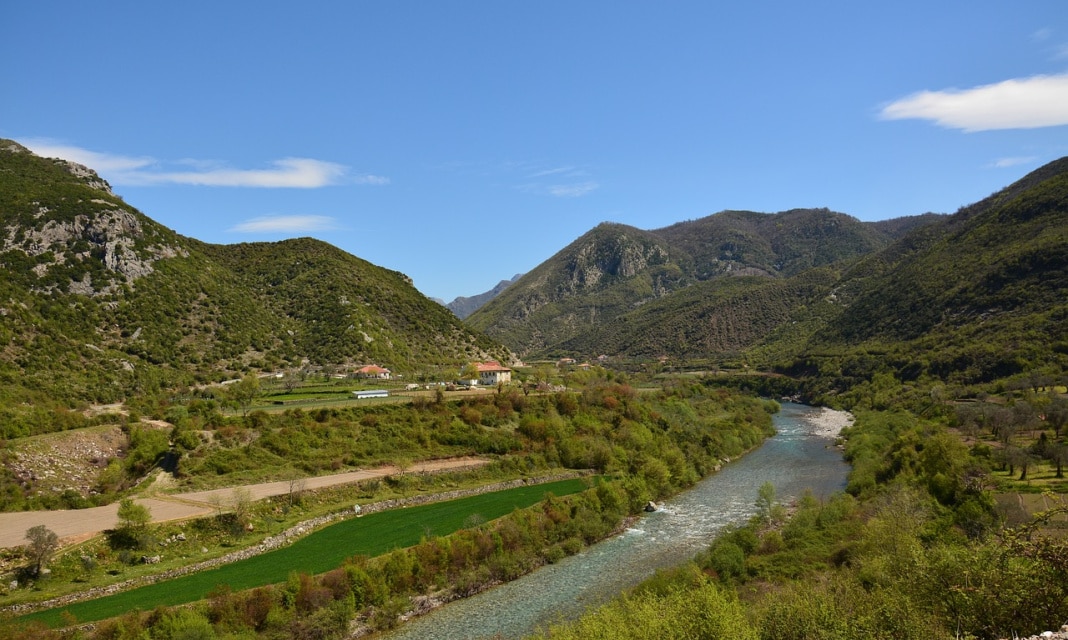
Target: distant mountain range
[(971, 297), (465, 306), (99, 302), (615, 269)]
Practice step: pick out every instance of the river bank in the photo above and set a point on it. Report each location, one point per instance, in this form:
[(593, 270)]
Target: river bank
[(795, 461), (284, 538), (828, 423)]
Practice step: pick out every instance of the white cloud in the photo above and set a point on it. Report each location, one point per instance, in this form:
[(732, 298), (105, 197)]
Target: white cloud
[(294, 173), (286, 224), (1002, 163), (103, 163), (1028, 103), (297, 173)]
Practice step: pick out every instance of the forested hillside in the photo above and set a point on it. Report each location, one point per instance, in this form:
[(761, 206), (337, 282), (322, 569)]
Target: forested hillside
[(565, 304), (99, 301), (976, 297), (969, 298)]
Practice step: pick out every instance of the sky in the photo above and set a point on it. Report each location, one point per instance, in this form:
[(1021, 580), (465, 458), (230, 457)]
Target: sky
[(464, 142)]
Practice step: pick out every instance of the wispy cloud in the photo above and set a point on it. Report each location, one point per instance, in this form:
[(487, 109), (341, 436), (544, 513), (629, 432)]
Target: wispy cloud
[(298, 173), (104, 163), (293, 173), (286, 224), (572, 190), (1026, 103), (566, 181), (556, 171), (1002, 163)]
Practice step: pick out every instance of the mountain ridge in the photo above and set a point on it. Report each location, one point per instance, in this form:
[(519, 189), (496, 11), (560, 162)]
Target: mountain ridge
[(582, 285)]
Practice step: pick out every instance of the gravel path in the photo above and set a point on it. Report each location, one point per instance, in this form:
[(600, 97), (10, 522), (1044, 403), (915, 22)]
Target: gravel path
[(81, 524)]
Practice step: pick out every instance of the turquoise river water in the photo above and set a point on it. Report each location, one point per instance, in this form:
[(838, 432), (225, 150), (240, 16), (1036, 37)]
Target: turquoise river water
[(796, 460)]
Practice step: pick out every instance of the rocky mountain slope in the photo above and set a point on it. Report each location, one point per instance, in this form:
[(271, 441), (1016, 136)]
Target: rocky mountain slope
[(99, 301), (613, 270), (978, 296)]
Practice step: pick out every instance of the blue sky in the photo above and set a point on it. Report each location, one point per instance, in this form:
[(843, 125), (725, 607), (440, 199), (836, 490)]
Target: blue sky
[(464, 142)]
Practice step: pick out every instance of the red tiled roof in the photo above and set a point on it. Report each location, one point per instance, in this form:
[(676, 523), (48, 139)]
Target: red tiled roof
[(490, 366), (371, 368)]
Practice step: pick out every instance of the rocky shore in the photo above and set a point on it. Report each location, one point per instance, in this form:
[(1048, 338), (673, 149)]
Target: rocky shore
[(828, 423)]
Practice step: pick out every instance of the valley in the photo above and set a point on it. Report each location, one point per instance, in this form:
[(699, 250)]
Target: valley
[(167, 401)]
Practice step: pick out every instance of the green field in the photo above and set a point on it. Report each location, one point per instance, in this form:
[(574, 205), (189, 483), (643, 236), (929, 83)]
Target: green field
[(370, 535)]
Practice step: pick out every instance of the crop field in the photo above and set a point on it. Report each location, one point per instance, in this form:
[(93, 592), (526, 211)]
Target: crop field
[(370, 535)]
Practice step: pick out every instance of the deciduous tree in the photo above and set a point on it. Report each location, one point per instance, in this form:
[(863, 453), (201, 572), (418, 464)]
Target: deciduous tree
[(43, 544)]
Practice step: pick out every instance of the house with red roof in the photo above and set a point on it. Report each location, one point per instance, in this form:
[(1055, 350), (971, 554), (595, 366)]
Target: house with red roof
[(493, 373), (373, 371)]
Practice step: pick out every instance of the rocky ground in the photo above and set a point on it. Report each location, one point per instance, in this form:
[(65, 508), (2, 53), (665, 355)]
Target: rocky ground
[(1047, 635), (830, 422), (70, 460)]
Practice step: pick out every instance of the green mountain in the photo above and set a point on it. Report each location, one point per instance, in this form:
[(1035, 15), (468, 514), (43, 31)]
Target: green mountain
[(978, 296), (578, 299), (98, 301), (606, 272), (971, 298)]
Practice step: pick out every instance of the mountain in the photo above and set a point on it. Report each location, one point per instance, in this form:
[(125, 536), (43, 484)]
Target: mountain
[(99, 301), (606, 272), (976, 296), (464, 306), (615, 269), (970, 298)]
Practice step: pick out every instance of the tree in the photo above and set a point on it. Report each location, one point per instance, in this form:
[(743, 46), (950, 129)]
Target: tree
[(43, 544), (470, 371), (243, 392), (133, 516), (765, 501)]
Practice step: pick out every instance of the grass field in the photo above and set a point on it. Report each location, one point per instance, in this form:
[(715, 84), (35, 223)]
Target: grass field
[(370, 535)]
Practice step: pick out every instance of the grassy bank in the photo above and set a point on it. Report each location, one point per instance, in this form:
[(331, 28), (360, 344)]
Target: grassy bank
[(370, 535)]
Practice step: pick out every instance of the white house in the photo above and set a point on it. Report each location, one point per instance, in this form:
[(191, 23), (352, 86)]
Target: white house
[(492, 373), (373, 371)]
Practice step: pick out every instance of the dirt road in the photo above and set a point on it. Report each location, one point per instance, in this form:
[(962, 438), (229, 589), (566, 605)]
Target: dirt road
[(81, 524)]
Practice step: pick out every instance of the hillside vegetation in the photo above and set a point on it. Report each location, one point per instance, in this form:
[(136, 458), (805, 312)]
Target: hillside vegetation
[(564, 305), (100, 302), (971, 298)]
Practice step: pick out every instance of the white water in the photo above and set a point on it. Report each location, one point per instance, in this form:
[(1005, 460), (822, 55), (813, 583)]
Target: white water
[(797, 459)]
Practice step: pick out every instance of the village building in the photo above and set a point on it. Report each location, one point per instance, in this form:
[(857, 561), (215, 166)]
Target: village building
[(374, 372), (493, 373)]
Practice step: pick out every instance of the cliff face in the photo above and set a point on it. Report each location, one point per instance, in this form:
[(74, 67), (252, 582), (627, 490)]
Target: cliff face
[(62, 222), (609, 270)]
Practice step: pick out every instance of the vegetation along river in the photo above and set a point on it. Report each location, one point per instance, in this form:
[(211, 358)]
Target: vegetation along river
[(800, 457)]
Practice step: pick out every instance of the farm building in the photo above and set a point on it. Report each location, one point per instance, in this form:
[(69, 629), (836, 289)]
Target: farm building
[(492, 373), (374, 372)]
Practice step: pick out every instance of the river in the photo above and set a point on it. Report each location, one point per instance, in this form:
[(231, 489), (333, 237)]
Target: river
[(796, 459)]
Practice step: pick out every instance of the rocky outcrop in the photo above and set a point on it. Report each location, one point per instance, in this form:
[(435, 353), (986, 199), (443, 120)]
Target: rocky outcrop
[(111, 235)]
